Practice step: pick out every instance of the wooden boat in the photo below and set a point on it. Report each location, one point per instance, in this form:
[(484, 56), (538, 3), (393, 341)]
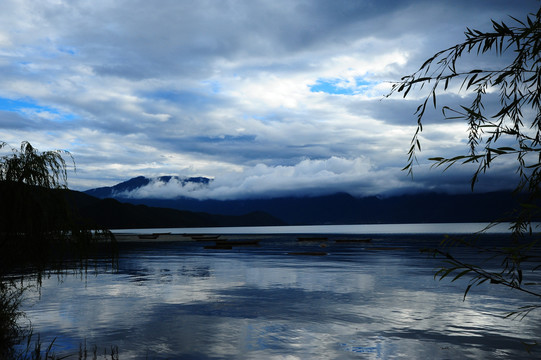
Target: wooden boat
[(204, 237), (148, 236), (315, 238), (353, 240), (308, 253), (238, 242)]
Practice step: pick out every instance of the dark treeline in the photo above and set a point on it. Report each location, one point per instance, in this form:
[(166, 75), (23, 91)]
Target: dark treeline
[(343, 208), (114, 214), (39, 229), (39, 234)]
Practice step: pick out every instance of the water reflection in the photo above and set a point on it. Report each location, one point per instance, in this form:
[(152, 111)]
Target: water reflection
[(178, 300)]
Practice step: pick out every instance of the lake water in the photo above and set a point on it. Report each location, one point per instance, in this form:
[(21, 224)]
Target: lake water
[(431, 228), (277, 300)]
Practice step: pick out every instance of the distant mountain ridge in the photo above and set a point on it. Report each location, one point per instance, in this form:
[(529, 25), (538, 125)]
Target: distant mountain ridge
[(139, 182), (342, 208)]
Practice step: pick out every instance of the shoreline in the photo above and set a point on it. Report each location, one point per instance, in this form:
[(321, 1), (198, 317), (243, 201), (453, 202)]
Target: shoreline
[(129, 237), (199, 237), (186, 234)]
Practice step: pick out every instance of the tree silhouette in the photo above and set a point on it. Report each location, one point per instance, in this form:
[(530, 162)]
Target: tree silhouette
[(38, 230), (513, 129)]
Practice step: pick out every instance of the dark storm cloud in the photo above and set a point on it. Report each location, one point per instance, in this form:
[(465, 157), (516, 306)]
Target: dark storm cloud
[(264, 96)]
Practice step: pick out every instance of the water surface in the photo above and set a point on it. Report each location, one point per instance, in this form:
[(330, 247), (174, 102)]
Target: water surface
[(373, 300), (428, 228)]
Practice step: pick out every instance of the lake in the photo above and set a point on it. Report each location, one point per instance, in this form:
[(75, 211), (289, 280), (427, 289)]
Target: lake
[(320, 298), (432, 228)]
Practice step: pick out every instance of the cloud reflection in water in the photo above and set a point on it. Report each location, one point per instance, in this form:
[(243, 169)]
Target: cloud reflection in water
[(181, 300)]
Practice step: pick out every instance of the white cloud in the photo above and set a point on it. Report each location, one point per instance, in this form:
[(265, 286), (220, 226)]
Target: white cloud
[(222, 89), (306, 178)]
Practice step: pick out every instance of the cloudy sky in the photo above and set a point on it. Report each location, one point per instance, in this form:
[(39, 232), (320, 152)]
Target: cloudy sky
[(266, 97)]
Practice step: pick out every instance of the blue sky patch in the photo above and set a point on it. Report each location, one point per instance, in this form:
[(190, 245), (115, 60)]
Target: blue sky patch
[(342, 87), (28, 107), (67, 50), (215, 86), (270, 117), (180, 97), (331, 86)]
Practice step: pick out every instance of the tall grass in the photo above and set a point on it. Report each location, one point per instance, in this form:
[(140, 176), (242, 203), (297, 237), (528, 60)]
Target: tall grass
[(34, 349)]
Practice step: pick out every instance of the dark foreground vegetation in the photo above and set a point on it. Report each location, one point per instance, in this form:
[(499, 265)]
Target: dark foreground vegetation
[(39, 234), (40, 230)]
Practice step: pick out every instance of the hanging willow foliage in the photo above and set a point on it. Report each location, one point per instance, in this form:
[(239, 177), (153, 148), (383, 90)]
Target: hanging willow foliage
[(511, 130), (37, 225), (28, 166)]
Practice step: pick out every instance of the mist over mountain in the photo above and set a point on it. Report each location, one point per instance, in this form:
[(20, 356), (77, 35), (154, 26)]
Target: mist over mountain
[(337, 208), (159, 187)]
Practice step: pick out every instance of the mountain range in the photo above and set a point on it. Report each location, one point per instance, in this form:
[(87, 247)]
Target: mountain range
[(42, 207), (127, 188), (340, 208), (113, 214)]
